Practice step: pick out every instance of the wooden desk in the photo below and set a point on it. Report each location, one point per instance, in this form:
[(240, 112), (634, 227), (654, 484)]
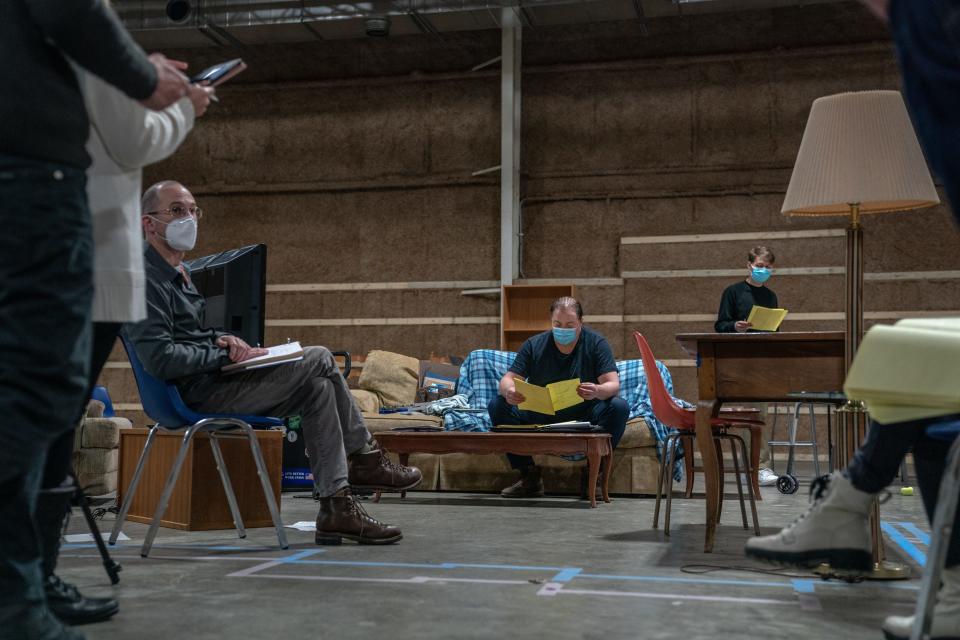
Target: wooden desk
[(755, 367), (596, 446)]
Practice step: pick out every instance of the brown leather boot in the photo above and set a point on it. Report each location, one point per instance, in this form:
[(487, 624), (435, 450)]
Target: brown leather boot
[(374, 471), (530, 484), (341, 516)]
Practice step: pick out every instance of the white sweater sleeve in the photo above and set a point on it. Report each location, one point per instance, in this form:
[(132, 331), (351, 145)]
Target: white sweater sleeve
[(133, 135)]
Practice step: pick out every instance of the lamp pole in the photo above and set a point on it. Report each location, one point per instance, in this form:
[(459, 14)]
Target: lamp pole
[(853, 429)]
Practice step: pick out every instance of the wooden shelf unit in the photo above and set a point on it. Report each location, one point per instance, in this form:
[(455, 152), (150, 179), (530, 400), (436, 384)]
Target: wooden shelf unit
[(525, 311)]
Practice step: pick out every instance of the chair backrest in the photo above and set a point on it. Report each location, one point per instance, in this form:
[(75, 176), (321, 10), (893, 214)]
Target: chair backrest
[(155, 394), (664, 408), (100, 393)]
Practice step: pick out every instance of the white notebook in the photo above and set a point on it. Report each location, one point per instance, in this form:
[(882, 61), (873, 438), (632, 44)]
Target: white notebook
[(290, 352)]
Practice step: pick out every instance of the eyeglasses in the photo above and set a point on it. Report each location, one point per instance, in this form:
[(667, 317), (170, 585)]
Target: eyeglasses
[(179, 211)]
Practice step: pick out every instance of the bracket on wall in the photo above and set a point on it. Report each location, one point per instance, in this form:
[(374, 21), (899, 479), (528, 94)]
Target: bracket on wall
[(223, 37), (486, 64), (483, 172)]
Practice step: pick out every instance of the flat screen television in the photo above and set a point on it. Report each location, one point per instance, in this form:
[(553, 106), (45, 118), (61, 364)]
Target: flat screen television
[(234, 283)]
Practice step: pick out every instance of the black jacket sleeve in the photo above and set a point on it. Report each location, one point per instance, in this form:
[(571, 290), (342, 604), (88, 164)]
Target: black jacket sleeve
[(726, 315), (90, 32)]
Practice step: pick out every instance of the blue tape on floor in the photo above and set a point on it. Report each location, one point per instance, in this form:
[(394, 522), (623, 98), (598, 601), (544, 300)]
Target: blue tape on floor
[(137, 545), (427, 565), (804, 586), (908, 547), (921, 535), (566, 575), (300, 555), (739, 583)]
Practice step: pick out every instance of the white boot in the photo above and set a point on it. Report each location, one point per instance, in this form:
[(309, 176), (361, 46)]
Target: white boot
[(946, 614), (835, 529)]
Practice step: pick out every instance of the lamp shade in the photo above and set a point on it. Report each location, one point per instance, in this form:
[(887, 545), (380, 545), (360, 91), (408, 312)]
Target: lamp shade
[(859, 148)]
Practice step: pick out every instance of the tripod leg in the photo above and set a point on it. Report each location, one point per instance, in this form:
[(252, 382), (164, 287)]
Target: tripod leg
[(111, 566)]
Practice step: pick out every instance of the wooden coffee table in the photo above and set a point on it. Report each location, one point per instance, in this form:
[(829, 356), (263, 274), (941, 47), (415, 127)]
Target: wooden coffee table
[(596, 446)]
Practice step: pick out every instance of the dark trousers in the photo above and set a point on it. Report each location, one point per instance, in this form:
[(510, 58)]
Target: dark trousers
[(927, 35), (46, 287), (610, 415), (877, 462)]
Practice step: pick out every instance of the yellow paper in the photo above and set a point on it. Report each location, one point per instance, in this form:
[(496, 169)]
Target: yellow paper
[(765, 319), (536, 398), (556, 396), (564, 393), (908, 371)]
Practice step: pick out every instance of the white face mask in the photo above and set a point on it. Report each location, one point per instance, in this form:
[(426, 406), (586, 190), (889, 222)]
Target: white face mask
[(181, 233)]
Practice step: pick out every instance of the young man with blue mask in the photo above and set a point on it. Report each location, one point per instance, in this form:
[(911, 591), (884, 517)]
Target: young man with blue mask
[(735, 305), (569, 350), (738, 299)]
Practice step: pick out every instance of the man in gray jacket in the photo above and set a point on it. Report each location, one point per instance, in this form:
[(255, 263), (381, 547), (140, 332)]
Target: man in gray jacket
[(175, 344), (45, 263)]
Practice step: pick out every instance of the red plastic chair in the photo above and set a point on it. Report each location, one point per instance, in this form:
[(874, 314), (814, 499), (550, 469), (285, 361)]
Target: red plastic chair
[(683, 420)]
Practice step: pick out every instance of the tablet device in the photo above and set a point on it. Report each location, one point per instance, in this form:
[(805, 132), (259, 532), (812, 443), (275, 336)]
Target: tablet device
[(220, 73)]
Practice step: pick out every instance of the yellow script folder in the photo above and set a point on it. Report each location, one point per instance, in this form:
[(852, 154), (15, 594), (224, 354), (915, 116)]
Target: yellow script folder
[(908, 371), (765, 319), (556, 396)]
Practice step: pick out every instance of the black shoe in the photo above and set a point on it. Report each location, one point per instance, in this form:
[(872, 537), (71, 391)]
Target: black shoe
[(71, 606), (63, 599)]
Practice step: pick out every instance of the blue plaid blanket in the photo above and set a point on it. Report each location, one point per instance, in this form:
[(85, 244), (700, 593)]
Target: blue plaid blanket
[(480, 376)]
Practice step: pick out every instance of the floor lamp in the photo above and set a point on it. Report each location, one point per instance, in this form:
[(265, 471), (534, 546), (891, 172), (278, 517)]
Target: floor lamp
[(859, 155)]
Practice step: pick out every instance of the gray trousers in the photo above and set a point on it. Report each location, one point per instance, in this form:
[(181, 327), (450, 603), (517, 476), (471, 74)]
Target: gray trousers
[(312, 388)]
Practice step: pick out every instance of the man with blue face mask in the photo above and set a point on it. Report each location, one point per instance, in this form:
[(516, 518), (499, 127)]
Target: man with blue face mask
[(568, 350), (738, 299)]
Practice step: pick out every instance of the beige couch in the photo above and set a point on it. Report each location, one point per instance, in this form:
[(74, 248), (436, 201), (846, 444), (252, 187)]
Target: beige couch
[(96, 450), (391, 379)]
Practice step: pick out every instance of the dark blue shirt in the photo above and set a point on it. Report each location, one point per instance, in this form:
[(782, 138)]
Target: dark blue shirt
[(541, 362)]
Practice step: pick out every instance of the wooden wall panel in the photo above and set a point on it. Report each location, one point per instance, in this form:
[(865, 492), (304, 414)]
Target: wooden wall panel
[(353, 160)]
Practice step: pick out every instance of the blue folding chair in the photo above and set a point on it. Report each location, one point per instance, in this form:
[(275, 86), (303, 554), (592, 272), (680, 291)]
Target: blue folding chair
[(941, 530), (100, 393), (161, 401)]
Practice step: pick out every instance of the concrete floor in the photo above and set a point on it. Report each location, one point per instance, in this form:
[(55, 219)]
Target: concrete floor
[(476, 566)]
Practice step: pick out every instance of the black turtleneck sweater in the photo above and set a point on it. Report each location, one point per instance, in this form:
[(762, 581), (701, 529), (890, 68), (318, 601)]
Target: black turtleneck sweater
[(737, 301)]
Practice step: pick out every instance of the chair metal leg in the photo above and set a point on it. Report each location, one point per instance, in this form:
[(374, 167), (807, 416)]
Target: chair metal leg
[(660, 478), (750, 489), (736, 472), (267, 486), (687, 443), (830, 454), (813, 440), (792, 438), (168, 489), (723, 477), (940, 534), (773, 437), (227, 485), (134, 483), (673, 461)]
